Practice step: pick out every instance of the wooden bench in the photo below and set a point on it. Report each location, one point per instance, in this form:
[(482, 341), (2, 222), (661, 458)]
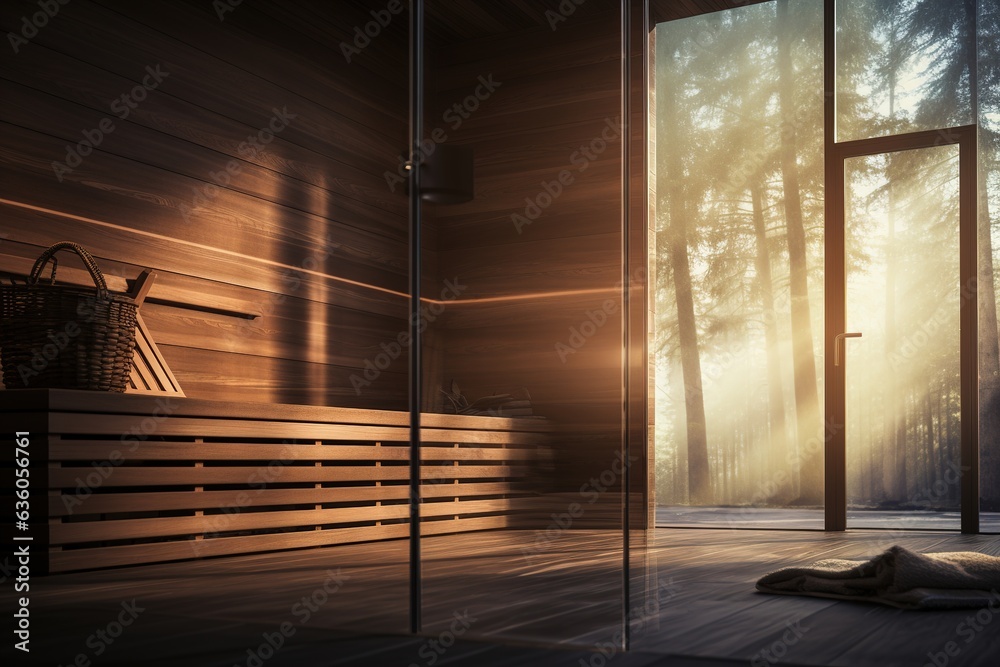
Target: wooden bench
[(129, 479)]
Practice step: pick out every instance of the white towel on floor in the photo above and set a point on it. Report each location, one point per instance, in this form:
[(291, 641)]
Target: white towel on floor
[(898, 577)]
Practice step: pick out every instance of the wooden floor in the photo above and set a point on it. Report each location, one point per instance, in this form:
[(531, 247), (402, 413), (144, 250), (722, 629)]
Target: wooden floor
[(682, 516), (508, 599)]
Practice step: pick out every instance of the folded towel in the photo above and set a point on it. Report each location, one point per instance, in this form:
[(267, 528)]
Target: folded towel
[(899, 578)]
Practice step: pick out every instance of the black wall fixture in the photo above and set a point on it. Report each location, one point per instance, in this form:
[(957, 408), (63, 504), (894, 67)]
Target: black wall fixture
[(446, 175)]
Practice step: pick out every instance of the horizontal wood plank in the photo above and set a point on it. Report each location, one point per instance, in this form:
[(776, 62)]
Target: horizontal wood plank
[(117, 503), (117, 405), (130, 529), (101, 557), (118, 454), (275, 474)]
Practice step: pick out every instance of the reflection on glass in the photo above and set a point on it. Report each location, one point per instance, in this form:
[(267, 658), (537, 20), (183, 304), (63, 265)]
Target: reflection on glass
[(738, 206), (902, 66), (521, 510), (903, 376)]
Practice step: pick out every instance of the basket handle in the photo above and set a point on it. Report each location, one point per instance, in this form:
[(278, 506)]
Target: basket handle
[(88, 261)]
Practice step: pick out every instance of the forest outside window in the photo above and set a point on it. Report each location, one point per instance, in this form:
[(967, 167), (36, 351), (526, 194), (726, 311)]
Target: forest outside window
[(738, 189), (738, 160)]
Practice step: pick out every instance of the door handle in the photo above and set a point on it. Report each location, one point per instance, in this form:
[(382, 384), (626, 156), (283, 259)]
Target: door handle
[(838, 342)]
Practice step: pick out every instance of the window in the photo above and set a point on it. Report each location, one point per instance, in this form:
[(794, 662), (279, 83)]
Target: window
[(742, 352)]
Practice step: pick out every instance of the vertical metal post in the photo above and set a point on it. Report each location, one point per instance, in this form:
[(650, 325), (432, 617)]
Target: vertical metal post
[(969, 270), (416, 129), (834, 459), (969, 326), (626, 200)]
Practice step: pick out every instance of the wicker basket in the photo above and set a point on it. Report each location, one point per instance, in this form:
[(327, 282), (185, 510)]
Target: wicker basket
[(66, 337)]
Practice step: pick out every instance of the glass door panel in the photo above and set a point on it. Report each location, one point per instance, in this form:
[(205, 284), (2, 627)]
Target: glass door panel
[(903, 375), (521, 529)]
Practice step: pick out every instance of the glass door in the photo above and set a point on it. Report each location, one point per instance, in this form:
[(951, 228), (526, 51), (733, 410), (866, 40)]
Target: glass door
[(520, 522), (903, 423), (903, 110), (903, 382)]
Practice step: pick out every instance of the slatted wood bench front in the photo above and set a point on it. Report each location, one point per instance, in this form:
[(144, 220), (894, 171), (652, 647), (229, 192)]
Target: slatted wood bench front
[(135, 480)]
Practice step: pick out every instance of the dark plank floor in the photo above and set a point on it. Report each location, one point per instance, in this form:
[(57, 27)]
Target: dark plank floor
[(502, 598), (682, 516)]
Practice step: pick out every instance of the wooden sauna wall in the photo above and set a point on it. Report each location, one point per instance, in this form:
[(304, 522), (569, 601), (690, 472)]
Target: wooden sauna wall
[(528, 288), (314, 198)]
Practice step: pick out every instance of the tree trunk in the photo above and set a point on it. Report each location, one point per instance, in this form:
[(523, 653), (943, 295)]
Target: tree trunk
[(679, 488), (890, 433), (928, 476), (806, 396), (694, 400), (778, 437), (942, 458)]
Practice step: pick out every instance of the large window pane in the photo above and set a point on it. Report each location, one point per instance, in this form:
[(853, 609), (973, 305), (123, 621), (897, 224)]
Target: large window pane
[(738, 206)]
